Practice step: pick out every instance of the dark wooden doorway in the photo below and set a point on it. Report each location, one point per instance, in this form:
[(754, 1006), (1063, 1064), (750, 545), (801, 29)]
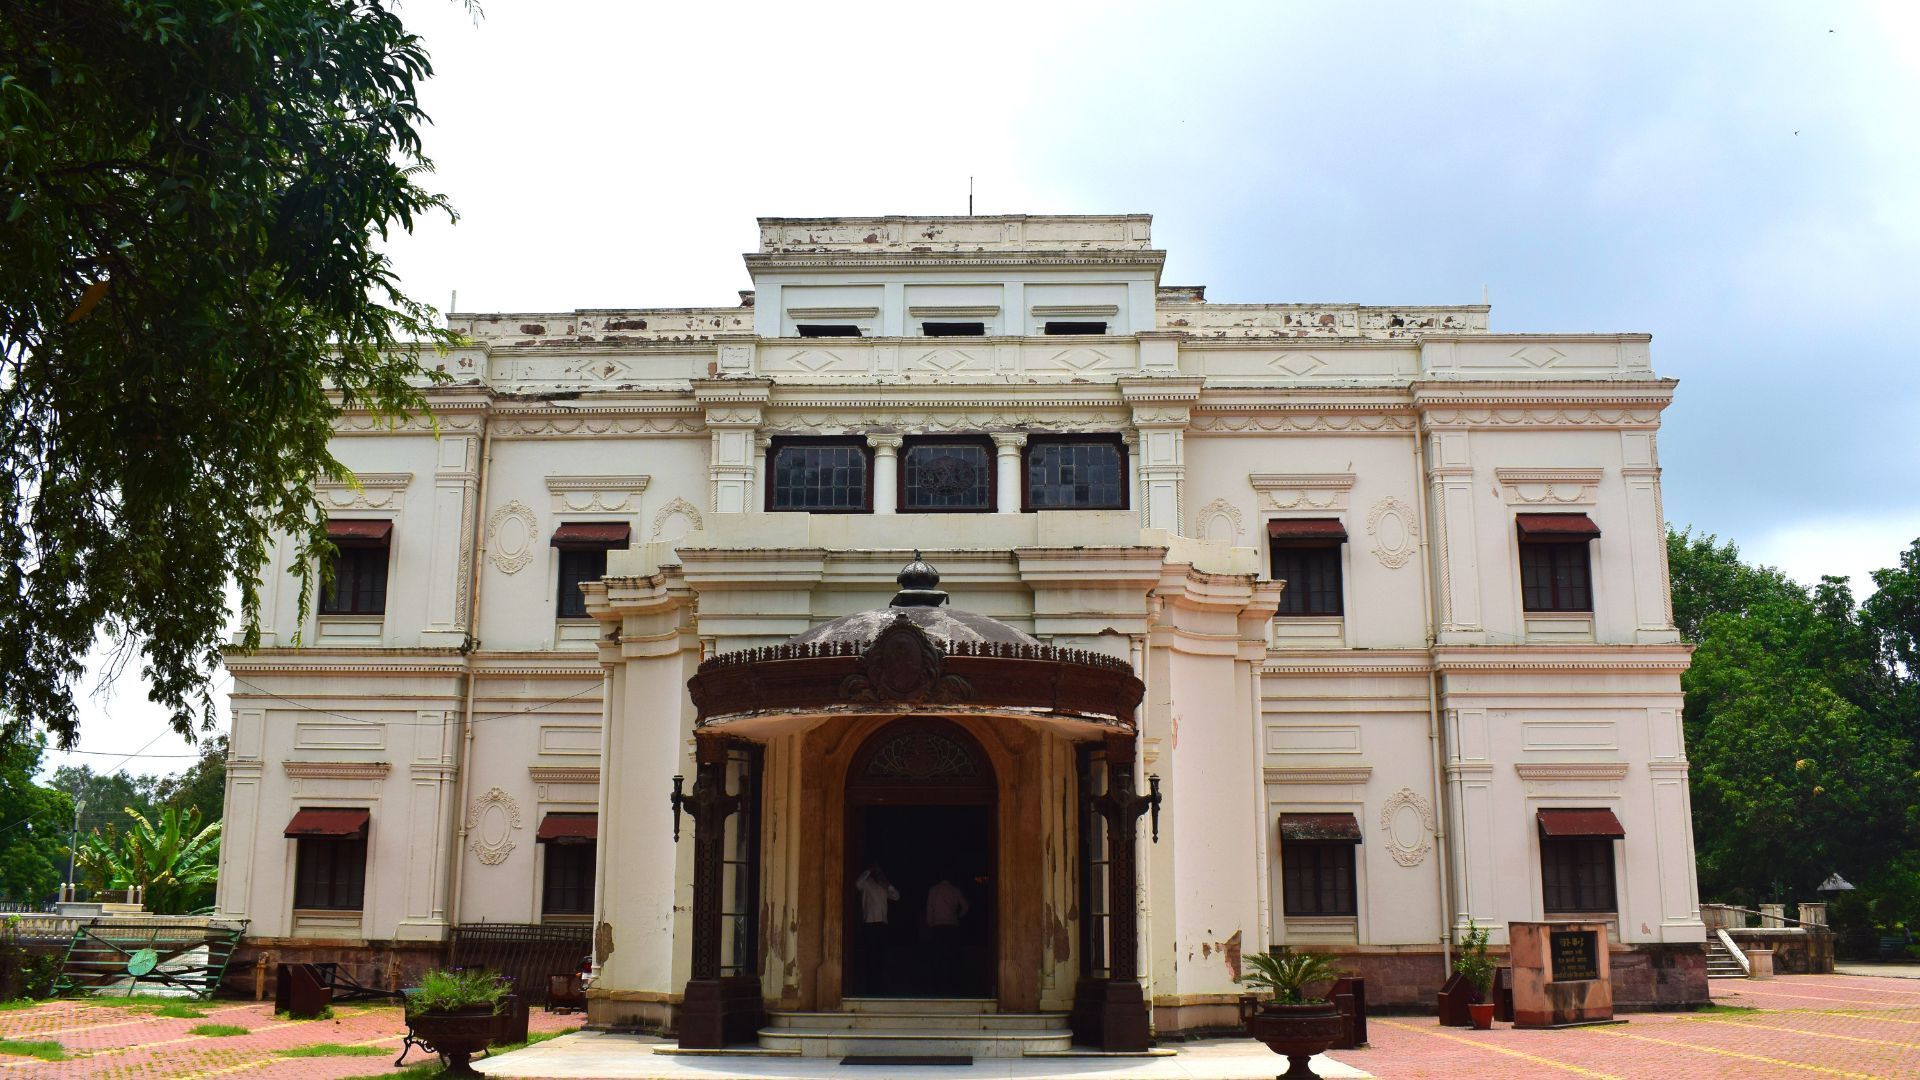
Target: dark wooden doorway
[(922, 808)]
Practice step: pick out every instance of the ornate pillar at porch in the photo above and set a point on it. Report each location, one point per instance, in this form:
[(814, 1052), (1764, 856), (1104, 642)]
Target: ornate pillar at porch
[(716, 1009), (1112, 1012)]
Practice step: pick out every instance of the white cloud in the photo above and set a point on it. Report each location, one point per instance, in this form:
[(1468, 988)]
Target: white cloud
[(1853, 546)]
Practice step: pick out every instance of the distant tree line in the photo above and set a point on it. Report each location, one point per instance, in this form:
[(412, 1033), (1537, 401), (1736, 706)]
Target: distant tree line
[(1802, 718)]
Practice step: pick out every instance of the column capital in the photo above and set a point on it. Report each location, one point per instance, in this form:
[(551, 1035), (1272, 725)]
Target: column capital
[(888, 441), (1005, 441)]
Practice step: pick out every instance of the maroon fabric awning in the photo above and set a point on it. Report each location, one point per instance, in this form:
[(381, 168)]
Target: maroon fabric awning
[(568, 829), (1557, 526), (595, 534), (1581, 823), (1307, 529), (1320, 827), (358, 530), (339, 824)]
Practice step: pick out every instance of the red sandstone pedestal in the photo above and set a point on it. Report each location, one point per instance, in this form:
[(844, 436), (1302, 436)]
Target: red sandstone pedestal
[(1561, 974)]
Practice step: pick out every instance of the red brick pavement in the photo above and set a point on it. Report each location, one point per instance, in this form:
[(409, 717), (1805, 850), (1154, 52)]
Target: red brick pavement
[(104, 1041), (1806, 1026)]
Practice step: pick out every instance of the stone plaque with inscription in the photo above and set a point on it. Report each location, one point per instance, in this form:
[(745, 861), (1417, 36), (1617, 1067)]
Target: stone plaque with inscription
[(1561, 974)]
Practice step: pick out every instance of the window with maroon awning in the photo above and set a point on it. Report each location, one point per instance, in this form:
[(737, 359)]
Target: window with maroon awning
[(592, 534), (1341, 827), (1556, 527), (340, 824), (568, 829), (1600, 822), (359, 530), (1322, 529)]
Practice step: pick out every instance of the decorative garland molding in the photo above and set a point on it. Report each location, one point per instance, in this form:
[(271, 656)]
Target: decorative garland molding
[(596, 494), (1556, 487), (1372, 422), (377, 491), (1571, 770), (337, 770)]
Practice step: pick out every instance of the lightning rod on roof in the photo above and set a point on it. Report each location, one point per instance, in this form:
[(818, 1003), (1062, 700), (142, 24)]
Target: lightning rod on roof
[(969, 196)]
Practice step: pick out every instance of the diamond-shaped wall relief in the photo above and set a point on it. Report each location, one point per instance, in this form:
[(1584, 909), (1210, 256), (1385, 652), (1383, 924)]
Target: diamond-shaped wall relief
[(1296, 364), (1082, 359), (1538, 355)]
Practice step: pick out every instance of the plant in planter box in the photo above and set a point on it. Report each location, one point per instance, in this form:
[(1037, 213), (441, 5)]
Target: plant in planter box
[(1293, 1022), (1474, 965), (456, 1013)]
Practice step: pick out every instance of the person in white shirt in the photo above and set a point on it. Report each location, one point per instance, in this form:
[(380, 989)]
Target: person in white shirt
[(876, 893), (946, 906)]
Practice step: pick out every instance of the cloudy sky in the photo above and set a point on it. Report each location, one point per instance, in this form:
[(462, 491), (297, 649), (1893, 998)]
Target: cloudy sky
[(1741, 180)]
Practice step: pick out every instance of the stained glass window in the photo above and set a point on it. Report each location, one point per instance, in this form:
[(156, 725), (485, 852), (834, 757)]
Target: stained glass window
[(947, 476), (821, 477), (1079, 474)]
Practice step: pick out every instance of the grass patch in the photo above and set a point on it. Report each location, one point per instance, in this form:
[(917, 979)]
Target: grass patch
[(326, 1013), (1735, 1010), (219, 1031), (180, 1010), (338, 1050), (21, 1003), (44, 1049)]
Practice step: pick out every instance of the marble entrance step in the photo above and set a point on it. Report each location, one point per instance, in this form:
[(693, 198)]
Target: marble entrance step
[(916, 1027)]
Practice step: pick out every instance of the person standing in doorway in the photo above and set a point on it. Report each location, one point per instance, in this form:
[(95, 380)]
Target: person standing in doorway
[(876, 894), (946, 907)]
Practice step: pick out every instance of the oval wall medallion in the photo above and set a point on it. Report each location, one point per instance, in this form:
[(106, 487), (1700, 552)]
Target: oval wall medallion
[(1407, 819), (510, 535), (491, 821), (1395, 534)]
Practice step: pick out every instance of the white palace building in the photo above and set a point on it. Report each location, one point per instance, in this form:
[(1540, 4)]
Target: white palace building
[(1374, 600)]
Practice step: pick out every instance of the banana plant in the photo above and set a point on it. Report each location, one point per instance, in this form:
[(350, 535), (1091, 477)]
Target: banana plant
[(173, 861)]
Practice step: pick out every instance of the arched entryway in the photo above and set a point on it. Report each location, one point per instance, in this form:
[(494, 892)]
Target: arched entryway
[(921, 843)]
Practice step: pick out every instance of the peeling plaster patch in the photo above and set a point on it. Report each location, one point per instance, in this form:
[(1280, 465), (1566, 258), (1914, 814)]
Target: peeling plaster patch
[(603, 942), (532, 328), (1230, 951)]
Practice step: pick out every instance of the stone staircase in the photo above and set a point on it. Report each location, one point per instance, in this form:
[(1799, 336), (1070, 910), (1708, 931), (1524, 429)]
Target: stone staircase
[(1721, 963), (916, 1027)]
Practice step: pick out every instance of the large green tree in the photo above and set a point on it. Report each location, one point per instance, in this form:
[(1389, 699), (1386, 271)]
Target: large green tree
[(34, 826), (191, 288), (1801, 727)]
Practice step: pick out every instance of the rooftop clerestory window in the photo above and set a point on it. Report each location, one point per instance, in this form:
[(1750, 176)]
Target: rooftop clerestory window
[(1056, 328), (828, 330), (954, 329)]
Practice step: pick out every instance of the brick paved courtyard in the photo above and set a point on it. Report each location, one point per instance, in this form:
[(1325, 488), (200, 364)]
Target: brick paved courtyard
[(1808, 1025)]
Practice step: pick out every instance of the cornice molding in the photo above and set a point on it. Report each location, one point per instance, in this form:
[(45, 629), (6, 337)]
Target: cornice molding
[(1571, 770), (1318, 774), (1550, 476), (1298, 481), (337, 770), (564, 774), (371, 481), (840, 260)]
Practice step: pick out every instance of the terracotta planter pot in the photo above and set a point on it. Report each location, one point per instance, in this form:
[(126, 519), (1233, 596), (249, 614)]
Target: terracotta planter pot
[(457, 1036), (1297, 1032), (1482, 1014)]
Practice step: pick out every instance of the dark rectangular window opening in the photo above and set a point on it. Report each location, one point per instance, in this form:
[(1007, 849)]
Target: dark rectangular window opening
[(954, 329), (1317, 877), (359, 580), (1075, 474), (820, 476), (1311, 569), (740, 865), (567, 888), (828, 330), (578, 565), (330, 873), (1576, 874), (1555, 576), (1055, 328), (947, 476), (1096, 860)]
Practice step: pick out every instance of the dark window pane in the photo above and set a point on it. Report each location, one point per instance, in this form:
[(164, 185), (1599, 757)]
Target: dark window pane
[(1576, 874), (828, 330), (578, 565), (1555, 577), (820, 477), (1076, 476), (948, 477), (1053, 328), (954, 329), (1312, 574), (330, 873), (1317, 877), (359, 581), (568, 888)]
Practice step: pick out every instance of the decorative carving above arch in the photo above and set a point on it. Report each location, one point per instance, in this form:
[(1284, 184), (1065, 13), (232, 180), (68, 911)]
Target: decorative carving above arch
[(511, 532), (666, 528), (1219, 521), (921, 752)]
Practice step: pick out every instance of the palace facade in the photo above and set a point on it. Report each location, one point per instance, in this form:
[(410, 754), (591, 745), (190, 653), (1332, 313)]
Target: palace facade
[(1238, 625)]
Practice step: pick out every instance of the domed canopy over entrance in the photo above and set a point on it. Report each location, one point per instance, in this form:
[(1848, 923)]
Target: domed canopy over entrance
[(915, 655)]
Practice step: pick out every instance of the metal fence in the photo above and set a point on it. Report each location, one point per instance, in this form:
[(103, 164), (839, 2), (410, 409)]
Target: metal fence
[(523, 952)]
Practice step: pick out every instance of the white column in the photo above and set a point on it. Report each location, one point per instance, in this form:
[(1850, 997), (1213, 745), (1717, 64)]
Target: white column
[(1456, 547), (1006, 453), (886, 472), (449, 561), (731, 469), (1162, 457)]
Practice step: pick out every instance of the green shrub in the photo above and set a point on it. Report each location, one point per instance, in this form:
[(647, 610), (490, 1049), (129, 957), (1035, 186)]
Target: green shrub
[(1288, 974), (1473, 961), (457, 990)]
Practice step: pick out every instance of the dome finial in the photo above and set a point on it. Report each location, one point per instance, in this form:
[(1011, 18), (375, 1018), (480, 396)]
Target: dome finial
[(919, 585)]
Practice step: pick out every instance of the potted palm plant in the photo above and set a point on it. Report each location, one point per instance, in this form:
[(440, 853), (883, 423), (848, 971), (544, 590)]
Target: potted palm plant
[(1292, 1021), (455, 1012), (1474, 965)]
